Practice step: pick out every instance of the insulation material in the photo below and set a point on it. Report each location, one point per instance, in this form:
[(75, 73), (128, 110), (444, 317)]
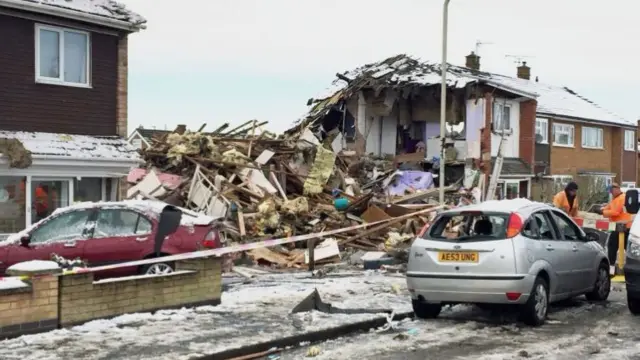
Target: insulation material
[(320, 172), (19, 157)]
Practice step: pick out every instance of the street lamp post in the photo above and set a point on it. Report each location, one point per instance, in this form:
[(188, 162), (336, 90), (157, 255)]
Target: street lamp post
[(443, 97)]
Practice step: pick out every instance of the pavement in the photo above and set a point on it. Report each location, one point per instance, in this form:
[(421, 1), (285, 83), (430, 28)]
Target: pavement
[(258, 311), (575, 329), (251, 312)]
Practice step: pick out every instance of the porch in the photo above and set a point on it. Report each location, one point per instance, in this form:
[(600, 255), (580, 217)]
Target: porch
[(64, 169)]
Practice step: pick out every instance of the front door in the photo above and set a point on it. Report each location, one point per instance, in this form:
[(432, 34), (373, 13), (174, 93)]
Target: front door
[(582, 258), (64, 235), (554, 250), (47, 195), (120, 235)]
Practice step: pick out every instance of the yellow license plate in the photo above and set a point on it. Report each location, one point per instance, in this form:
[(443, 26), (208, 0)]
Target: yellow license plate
[(458, 256)]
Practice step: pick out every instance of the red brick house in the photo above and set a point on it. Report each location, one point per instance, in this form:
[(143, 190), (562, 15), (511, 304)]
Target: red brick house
[(63, 66)]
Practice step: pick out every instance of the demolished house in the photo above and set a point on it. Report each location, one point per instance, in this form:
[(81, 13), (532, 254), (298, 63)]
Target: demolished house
[(392, 108)]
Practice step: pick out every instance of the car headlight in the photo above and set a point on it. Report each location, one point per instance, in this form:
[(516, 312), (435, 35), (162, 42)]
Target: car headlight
[(634, 247)]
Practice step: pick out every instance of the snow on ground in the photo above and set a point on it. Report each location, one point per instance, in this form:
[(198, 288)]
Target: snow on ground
[(574, 330), (249, 313)]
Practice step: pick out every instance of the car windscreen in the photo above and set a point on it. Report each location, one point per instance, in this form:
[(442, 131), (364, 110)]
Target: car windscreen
[(471, 226)]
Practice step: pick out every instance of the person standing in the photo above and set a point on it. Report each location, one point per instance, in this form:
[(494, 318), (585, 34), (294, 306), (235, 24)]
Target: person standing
[(616, 212), (567, 199)]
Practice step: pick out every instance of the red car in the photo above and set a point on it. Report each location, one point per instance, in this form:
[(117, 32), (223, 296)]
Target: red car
[(113, 232)]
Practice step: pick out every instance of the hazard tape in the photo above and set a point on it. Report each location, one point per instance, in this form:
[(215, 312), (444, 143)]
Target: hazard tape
[(604, 225), (246, 247)]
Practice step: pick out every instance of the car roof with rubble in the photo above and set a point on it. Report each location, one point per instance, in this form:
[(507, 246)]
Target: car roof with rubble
[(521, 206)]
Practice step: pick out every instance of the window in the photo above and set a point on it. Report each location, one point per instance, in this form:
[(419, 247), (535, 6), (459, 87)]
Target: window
[(12, 204), (563, 135), (120, 222), (87, 189), (592, 137), (62, 56), (538, 227), (136, 143), (470, 227), (566, 227), (68, 226), (501, 116), (630, 141), (542, 131)]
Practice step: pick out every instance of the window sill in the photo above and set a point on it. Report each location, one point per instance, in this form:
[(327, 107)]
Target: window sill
[(563, 145), (630, 150), (592, 148), (543, 143), (61, 83)]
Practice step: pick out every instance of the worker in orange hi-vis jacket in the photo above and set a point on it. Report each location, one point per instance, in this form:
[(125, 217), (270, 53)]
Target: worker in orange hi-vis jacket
[(616, 212), (567, 199)]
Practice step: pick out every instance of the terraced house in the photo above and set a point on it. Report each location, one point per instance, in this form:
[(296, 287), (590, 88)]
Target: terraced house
[(556, 134), (63, 105)]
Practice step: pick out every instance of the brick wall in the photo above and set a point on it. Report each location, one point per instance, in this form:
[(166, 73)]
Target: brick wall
[(82, 300), (528, 131), (30, 309), (568, 160), (122, 87), (50, 300)]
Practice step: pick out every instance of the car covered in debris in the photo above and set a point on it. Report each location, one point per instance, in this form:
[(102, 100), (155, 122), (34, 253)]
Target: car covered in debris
[(105, 233), (504, 252)]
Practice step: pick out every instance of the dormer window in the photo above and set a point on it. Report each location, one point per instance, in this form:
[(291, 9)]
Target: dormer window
[(62, 56)]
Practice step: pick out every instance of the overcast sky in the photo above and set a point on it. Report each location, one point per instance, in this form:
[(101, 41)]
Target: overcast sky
[(213, 61)]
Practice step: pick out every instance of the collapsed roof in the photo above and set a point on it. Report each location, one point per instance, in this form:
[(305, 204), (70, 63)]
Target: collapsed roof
[(403, 71)]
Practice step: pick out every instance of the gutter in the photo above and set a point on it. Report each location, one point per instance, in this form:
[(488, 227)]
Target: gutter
[(92, 159), (548, 115), (71, 14)]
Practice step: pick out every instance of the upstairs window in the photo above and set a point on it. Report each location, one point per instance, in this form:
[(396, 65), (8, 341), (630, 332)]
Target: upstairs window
[(630, 140), (542, 131), (592, 138), (501, 117), (563, 135), (62, 56)]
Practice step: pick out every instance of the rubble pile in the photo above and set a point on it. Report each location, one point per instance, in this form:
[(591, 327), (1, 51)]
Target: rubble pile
[(269, 187)]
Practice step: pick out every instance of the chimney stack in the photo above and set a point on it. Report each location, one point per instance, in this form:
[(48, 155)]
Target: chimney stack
[(524, 72), (473, 61)]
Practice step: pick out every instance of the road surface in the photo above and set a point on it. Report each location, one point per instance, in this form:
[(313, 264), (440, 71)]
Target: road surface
[(576, 329)]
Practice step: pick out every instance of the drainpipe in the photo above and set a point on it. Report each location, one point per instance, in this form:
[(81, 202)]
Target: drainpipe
[(443, 97)]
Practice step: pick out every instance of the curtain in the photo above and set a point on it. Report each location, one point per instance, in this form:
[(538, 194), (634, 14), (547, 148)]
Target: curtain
[(75, 57)]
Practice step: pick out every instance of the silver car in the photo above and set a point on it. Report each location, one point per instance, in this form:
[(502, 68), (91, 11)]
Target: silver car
[(505, 252)]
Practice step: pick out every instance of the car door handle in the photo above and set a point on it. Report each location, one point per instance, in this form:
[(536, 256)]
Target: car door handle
[(70, 244), (141, 239), (550, 248)]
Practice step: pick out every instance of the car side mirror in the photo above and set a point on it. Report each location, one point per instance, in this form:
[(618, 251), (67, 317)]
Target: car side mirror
[(25, 240)]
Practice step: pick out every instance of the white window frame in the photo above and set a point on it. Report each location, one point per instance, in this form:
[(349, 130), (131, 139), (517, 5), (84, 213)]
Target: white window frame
[(600, 137), (543, 125), (498, 110), (628, 184), (136, 142), (569, 130), (630, 142), (60, 80)]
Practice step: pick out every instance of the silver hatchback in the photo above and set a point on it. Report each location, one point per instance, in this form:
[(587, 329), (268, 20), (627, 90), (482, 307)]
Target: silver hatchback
[(505, 252)]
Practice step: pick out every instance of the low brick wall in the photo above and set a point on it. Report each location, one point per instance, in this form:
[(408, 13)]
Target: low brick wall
[(29, 309), (50, 301), (195, 282)]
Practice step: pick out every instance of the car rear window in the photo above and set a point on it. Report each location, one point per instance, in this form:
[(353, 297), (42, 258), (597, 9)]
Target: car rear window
[(474, 226)]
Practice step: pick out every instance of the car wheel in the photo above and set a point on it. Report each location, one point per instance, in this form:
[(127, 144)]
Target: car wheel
[(534, 312), (602, 287), (158, 269), (633, 303), (425, 310)]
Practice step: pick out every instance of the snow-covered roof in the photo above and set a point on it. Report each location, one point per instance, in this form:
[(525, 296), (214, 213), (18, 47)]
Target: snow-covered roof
[(92, 11), (75, 147), (402, 71)]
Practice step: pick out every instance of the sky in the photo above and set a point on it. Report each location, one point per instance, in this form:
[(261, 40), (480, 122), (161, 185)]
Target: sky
[(215, 61)]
